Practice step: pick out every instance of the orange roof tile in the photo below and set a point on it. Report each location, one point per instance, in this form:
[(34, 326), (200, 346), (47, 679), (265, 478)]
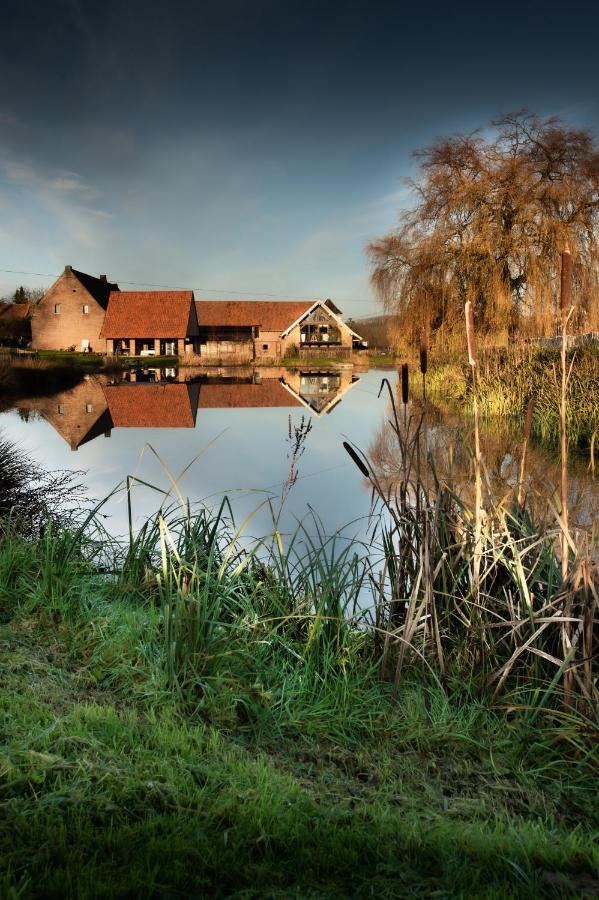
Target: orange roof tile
[(268, 393), (274, 315), (147, 314), (12, 312), (151, 405)]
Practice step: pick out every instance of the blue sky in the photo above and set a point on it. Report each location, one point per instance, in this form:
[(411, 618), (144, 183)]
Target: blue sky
[(252, 147)]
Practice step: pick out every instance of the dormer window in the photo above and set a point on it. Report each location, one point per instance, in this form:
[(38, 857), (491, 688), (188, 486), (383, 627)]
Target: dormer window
[(85, 309), (57, 309)]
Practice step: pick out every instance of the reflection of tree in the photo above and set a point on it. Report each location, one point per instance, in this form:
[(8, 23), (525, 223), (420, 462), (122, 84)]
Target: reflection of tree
[(448, 438)]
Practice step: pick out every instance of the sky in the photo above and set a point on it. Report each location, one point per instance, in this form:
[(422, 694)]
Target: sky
[(253, 148)]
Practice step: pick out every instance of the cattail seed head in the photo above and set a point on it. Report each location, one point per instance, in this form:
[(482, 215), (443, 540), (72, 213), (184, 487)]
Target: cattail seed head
[(470, 334), (423, 353), (566, 280), (529, 414), (357, 459), (405, 383)]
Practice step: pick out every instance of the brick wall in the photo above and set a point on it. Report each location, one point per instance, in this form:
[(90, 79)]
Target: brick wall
[(52, 331), (268, 345)]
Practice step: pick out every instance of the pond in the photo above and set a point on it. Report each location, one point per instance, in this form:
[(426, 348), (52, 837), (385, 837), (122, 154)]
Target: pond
[(237, 427)]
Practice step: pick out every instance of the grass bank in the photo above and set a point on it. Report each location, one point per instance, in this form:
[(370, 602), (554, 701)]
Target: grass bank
[(507, 379), (97, 362), (185, 714), (274, 764)]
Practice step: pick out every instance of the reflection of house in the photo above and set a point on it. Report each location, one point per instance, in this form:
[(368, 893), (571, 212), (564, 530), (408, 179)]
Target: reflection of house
[(154, 400), (71, 313), (231, 395), (92, 408), (87, 313), (161, 405), (78, 415), (320, 391)]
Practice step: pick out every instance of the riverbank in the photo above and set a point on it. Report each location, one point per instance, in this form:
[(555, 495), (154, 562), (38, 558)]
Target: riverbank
[(278, 767), (100, 363)]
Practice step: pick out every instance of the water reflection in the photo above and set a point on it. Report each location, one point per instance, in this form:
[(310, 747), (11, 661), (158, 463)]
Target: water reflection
[(240, 442), (447, 436), (171, 398)]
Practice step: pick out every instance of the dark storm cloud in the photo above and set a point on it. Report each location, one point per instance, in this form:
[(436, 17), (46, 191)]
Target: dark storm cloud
[(256, 142)]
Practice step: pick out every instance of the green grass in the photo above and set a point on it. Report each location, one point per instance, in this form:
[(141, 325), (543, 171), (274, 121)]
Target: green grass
[(176, 721), (99, 362), (377, 359)]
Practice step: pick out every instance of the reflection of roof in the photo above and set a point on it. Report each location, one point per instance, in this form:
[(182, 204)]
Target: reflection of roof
[(152, 405), (12, 312), (99, 288), (232, 396), (147, 314), (267, 315)]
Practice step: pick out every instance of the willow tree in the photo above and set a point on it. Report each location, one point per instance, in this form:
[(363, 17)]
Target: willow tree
[(490, 220)]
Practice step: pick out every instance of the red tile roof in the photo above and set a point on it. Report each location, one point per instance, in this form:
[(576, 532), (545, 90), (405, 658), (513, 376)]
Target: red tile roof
[(268, 393), (147, 314), (12, 312), (151, 405), (274, 315)]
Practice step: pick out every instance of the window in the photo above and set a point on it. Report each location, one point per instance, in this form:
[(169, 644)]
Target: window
[(89, 408), (85, 309), (60, 409), (57, 309), (265, 346)]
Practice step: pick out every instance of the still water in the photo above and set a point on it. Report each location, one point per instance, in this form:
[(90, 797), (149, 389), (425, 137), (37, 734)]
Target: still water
[(236, 426), (239, 423)]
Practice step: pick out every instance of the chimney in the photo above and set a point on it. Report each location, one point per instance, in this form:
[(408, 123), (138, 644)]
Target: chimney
[(103, 278), (68, 269)]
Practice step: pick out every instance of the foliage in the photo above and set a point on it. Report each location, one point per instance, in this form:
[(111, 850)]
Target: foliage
[(24, 294), (491, 217), (507, 379), (31, 495)]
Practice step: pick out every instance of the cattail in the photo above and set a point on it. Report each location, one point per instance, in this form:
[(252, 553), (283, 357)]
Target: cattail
[(358, 461), (566, 282), (470, 335), (404, 383), (423, 353), (529, 414)]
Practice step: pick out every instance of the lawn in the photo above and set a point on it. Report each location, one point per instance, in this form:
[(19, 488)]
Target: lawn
[(265, 771)]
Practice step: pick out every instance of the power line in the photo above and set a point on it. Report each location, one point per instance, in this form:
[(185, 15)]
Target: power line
[(200, 290)]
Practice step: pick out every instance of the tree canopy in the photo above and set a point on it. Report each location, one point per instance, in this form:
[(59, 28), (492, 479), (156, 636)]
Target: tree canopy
[(491, 217)]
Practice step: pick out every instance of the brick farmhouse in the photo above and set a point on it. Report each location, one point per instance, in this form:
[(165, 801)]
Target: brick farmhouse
[(81, 312)]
